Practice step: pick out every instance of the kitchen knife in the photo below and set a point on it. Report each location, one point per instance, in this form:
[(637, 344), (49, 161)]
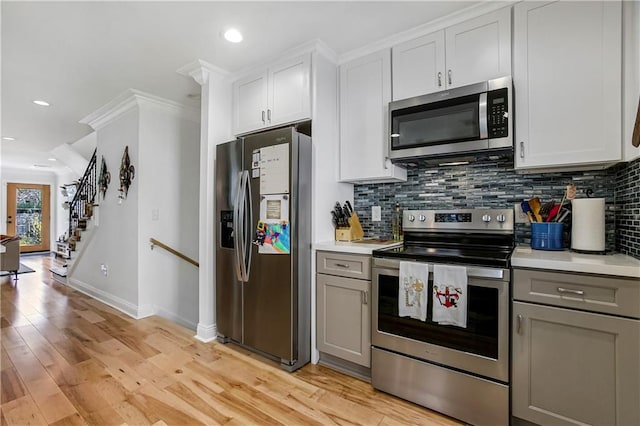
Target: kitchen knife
[(334, 219), (346, 211), (350, 207)]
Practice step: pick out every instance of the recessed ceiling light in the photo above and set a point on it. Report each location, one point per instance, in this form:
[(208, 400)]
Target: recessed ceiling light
[(233, 35), (42, 166), (8, 138), (41, 103), (51, 159)]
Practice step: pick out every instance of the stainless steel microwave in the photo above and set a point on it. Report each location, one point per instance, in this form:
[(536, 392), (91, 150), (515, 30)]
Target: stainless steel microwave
[(465, 120)]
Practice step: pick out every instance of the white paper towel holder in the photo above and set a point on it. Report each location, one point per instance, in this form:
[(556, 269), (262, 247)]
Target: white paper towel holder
[(588, 227)]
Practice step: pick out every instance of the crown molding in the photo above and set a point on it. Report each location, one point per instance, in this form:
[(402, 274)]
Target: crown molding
[(200, 71), (438, 24), (315, 45), (132, 98)]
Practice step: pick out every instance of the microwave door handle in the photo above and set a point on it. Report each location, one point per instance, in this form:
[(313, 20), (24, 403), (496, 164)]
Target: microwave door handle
[(482, 116)]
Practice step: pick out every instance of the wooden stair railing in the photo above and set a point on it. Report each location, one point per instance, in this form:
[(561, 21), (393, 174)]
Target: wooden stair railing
[(85, 195), (175, 252)]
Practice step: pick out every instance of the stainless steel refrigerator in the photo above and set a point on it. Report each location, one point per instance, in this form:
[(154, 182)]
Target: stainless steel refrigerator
[(263, 253)]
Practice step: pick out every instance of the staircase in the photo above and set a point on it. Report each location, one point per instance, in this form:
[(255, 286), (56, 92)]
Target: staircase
[(80, 214)]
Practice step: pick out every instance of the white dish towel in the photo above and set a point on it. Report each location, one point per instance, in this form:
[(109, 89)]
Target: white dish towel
[(450, 295), (412, 291)]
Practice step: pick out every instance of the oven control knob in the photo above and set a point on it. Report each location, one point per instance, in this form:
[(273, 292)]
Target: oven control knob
[(412, 218), (501, 218), (486, 218), (422, 218)]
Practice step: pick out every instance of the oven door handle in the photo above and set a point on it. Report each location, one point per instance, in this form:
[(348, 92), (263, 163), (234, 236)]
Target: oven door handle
[(472, 272)]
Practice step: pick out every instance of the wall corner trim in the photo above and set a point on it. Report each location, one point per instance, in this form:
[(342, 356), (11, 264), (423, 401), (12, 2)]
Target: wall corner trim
[(132, 98), (206, 332), (200, 70)]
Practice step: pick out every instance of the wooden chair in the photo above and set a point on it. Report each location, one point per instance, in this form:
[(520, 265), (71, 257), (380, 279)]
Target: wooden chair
[(10, 259)]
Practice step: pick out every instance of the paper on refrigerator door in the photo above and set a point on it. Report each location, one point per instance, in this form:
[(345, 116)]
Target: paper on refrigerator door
[(273, 228), (274, 169)]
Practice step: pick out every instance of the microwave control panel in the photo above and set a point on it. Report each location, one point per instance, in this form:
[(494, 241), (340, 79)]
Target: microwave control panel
[(498, 113)]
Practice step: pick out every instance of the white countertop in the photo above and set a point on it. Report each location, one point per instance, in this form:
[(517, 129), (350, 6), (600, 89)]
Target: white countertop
[(608, 264), (353, 247)]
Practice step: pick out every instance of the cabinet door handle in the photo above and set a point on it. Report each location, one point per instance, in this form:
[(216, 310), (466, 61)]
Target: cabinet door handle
[(269, 115), (365, 297), (521, 149), (568, 290), (449, 74), (263, 122), (342, 265), (439, 79), (519, 324)]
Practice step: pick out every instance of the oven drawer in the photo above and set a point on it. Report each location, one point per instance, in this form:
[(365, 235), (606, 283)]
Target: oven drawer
[(616, 296), (344, 265)]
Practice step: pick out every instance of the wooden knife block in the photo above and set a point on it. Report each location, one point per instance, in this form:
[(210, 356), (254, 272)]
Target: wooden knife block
[(353, 232)]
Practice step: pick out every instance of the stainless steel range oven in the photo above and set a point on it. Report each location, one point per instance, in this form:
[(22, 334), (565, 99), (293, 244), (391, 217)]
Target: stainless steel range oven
[(461, 372)]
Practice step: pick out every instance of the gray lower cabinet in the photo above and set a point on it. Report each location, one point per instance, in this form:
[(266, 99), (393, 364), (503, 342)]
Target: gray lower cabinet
[(569, 366), (343, 312)]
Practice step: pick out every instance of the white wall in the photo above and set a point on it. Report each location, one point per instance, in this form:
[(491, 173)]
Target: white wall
[(631, 74), (115, 240), (168, 173), (9, 175)]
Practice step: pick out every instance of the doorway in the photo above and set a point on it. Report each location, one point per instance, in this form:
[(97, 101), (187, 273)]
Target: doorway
[(28, 215)]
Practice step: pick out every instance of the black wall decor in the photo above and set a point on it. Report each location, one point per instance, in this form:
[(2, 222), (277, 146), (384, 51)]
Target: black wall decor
[(104, 179), (127, 172)]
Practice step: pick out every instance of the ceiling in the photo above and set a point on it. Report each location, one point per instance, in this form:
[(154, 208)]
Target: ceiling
[(79, 55)]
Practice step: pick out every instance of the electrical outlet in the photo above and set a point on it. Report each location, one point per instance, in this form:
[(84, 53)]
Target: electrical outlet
[(376, 213), (104, 269), (519, 215)]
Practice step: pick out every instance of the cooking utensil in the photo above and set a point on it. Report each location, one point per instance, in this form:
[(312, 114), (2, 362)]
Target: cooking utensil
[(546, 209), (334, 219), (527, 210), (563, 215), (534, 204), (553, 213)]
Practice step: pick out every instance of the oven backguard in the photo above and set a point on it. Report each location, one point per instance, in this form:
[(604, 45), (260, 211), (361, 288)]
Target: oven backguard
[(481, 348)]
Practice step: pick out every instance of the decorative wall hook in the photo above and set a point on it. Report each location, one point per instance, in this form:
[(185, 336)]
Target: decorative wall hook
[(127, 172), (105, 178)]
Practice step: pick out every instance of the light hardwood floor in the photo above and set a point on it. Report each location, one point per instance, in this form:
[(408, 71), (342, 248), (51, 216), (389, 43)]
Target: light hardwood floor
[(67, 359)]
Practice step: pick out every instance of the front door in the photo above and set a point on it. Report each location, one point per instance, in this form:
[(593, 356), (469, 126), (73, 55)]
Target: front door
[(28, 215)]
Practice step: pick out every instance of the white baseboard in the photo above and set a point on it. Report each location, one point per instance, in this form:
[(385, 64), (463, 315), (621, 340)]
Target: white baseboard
[(206, 332), (175, 318), (116, 302)]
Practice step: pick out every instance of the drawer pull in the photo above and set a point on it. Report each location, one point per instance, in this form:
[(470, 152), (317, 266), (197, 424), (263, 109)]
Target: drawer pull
[(519, 325), (568, 290), (342, 265), (365, 297)]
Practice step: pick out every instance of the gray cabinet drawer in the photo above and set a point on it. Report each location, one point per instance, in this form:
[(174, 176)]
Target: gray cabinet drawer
[(344, 265), (616, 296)]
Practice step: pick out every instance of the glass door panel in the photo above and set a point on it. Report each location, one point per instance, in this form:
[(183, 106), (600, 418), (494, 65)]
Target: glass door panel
[(28, 215)]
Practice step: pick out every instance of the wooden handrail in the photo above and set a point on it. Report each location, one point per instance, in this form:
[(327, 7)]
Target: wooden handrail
[(155, 242)]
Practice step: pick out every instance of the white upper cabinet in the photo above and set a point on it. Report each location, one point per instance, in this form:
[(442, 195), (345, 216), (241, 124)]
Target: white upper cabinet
[(567, 77), (272, 97), (470, 52), (365, 92), (418, 66), (479, 49)]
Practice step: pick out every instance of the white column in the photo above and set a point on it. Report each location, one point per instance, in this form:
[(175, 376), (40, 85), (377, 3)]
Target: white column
[(214, 128)]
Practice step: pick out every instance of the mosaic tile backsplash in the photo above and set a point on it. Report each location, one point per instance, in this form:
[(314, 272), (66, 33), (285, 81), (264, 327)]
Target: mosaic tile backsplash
[(494, 183)]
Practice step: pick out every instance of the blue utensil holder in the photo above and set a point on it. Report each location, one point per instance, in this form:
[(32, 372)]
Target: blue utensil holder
[(546, 236)]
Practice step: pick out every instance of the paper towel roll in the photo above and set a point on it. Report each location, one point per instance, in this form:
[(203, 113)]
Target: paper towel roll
[(587, 224)]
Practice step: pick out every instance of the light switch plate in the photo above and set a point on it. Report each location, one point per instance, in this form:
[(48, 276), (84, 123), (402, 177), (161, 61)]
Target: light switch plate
[(376, 214)]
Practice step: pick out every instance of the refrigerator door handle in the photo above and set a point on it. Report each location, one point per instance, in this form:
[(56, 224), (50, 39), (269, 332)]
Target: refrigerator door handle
[(249, 235), (237, 225)]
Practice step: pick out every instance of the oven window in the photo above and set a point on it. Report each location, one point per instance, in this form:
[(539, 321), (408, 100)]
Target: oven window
[(480, 337)]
